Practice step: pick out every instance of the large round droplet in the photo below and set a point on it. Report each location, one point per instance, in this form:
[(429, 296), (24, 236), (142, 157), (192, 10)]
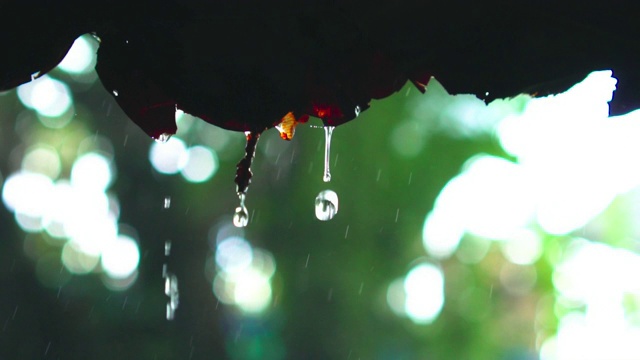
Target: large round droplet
[(241, 217), (326, 205)]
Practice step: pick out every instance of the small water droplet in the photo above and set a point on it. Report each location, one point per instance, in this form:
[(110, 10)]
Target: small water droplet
[(241, 215), (167, 202), (163, 138), (328, 131), (115, 92), (171, 290), (35, 75), (326, 205), (357, 111), (167, 248), (96, 37)]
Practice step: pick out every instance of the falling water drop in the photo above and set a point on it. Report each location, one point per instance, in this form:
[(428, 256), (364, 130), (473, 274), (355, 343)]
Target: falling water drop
[(171, 290), (115, 92), (163, 138), (167, 202), (241, 216), (357, 111), (167, 248), (328, 131), (326, 205)]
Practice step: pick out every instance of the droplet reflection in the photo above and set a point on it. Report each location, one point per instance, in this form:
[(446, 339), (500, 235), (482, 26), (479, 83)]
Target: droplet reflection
[(326, 205), (241, 215)]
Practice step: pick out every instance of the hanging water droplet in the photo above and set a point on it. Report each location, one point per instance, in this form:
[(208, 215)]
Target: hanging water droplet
[(328, 131), (241, 216), (357, 110), (115, 92), (326, 205), (163, 138), (167, 202), (35, 75)]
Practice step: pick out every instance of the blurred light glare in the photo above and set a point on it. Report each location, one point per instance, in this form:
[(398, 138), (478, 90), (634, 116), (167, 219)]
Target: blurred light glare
[(596, 278), (81, 57), (518, 279), (252, 292), (424, 288), (594, 272), (169, 157), (492, 197), (441, 233), (120, 257), (44, 160), (91, 171), (119, 284), (200, 165), (224, 289), (264, 262), (407, 138), (554, 141), (27, 193), (396, 297), (47, 96), (233, 255), (29, 223), (244, 275), (93, 235), (77, 261), (472, 249), (523, 248)]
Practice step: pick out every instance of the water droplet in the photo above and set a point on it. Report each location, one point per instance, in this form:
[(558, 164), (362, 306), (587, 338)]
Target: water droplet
[(167, 202), (357, 111), (328, 131), (171, 290), (35, 75), (115, 92), (326, 205), (241, 216), (163, 138), (167, 248)]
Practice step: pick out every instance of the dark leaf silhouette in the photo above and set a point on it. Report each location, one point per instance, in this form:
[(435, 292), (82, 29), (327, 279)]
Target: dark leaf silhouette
[(244, 65)]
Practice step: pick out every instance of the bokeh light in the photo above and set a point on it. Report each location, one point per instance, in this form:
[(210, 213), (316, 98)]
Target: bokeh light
[(424, 288), (47, 96), (234, 255), (44, 160), (81, 57), (200, 165), (168, 157), (243, 275), (91, 171), (120, 257), (419, 295)]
